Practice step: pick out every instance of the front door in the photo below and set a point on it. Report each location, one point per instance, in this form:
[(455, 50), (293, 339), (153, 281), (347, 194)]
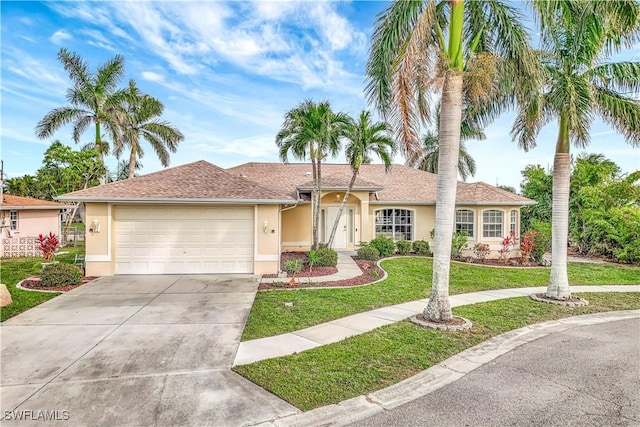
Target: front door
[(340, 240)]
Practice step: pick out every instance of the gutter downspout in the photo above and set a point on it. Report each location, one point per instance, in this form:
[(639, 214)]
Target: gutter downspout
[(280, 230)]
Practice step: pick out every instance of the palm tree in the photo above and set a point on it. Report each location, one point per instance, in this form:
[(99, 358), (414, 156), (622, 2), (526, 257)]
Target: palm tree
[(312, 130), (577, 37), (137, 119), (465, 50), (426, 158), (365, 139), (92, 99)]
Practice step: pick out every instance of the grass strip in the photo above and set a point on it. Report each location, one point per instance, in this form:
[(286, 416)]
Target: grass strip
[(14, 270), (409, 279), (390, 354)]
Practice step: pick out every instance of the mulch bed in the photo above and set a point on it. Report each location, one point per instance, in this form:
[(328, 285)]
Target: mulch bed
[(370, 273), (34, 283), (495, 262), (306, 271)]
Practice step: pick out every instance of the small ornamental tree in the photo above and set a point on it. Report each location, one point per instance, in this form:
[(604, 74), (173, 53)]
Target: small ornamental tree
[(527, 245), (48, 245)]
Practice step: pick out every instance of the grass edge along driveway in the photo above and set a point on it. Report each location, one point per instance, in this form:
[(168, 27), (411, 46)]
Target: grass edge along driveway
[(392, 353), (409, 280)]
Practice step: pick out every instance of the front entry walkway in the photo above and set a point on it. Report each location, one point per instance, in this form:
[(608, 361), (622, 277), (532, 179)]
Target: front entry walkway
[(135, 350)]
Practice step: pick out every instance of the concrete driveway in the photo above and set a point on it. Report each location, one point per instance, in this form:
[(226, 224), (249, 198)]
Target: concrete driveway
[(135, 350)]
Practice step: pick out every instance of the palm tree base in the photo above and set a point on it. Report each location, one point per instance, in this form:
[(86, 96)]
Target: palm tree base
[(456, 323), (568, 302)]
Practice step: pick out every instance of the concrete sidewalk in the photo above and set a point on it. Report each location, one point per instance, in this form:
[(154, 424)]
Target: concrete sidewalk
[(337, 330), (347, 269)]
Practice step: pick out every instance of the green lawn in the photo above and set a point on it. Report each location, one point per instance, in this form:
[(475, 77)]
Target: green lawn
[(409, 279), (387, 355), (13, 270)]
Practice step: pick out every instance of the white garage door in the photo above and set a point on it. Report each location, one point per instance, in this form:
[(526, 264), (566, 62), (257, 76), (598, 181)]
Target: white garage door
[(184, 240)]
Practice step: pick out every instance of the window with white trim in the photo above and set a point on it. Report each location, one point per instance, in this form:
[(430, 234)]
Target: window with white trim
[(492, 223), (396, 224), (13, 220), (513, 223), (351, 227), (464, 221)]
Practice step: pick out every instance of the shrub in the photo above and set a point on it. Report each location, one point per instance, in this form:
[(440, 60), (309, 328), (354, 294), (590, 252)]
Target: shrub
[(60, 275), (527, 245), (481, 250), (421, 247), (458, 243), (404, 247), (508, 244), (313, 259), (293, 266), (327, 257), (368, 252), (48, 245), (384, 245), (542, 239)]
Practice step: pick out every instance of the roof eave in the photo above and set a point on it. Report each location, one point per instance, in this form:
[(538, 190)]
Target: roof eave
[(433, 202), (339, 188), (181, 200), (33, 208)]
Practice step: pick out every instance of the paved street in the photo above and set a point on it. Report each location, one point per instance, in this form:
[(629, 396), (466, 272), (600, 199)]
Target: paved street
[(586, 376)]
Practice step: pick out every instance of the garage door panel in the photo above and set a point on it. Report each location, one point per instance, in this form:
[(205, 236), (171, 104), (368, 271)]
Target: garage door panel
[(184, 240)]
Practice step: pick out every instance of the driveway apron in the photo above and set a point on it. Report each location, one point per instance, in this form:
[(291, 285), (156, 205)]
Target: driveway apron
[(134, 350)]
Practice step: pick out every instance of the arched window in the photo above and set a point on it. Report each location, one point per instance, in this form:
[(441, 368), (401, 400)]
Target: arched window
[(396, 224), (492, 223), (513, 223), (464, 221)]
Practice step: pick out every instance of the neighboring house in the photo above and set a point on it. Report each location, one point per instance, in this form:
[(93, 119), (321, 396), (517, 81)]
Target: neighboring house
[(23, 219), (199, 218)]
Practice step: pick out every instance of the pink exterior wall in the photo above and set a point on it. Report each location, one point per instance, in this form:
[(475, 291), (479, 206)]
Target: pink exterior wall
[(32, 222)]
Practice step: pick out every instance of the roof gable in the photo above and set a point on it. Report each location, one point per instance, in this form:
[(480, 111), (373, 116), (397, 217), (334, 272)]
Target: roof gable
[(200, 181)]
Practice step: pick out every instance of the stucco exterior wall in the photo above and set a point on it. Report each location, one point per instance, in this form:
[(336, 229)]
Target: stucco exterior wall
[(267, 255), (296, 228), (493, 242), (99, 245), (32, 222)]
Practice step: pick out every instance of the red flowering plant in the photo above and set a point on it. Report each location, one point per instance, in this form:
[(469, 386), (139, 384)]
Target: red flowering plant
[(48, 245), (527, 246), (508, 244)]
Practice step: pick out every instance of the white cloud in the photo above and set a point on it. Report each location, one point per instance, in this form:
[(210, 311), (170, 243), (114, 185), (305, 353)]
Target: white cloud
[(152, 76), (60, 36)]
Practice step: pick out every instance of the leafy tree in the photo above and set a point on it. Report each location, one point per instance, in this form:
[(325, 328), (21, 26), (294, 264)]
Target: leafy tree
[(364, 140), (476, 55), (426, 158), (577, 36), (93, 99), (137, 119), (537, 185), (312, 130)]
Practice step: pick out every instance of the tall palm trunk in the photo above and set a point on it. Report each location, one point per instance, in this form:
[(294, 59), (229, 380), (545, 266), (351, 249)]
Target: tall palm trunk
[(344, 202), (98, 148), (559, 283), (132, 162), (316, 205), (439, 308)]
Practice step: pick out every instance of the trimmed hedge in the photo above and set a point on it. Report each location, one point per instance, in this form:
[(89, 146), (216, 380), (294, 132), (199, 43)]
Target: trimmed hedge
[(327, 257), (421, 247), (384, 245), (368, 253), (60, 275), (403, 247)]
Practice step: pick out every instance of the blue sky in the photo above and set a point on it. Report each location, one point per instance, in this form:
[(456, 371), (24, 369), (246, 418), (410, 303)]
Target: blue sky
[(226, 71)]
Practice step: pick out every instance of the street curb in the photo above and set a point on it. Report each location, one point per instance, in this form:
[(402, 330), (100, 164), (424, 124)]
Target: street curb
[(440, 375)]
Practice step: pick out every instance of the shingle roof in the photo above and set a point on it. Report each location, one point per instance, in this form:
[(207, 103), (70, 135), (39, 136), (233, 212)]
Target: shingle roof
[(400, 184), (11, 202), (199, 182)]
